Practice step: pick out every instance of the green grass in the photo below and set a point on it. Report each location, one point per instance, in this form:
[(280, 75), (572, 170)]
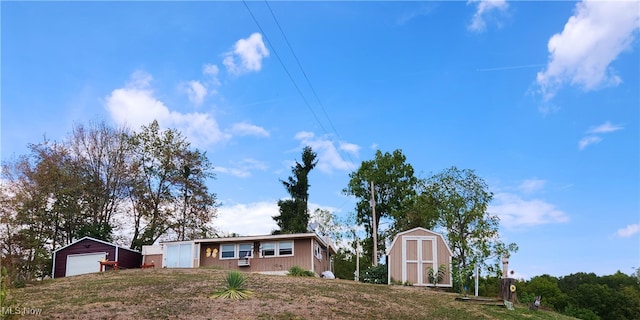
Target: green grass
[(185, 294)]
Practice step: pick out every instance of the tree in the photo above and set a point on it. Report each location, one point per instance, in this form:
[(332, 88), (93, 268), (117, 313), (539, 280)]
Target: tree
[(101, 154), (294, 214), (546, 286), (158, 159), (461, 199), (394, 187), (327, 224)]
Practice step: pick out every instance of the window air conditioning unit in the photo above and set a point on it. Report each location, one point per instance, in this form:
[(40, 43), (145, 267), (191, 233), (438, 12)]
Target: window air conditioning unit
[(243, 263)]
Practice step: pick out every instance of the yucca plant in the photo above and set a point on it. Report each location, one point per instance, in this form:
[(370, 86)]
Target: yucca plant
[(235, 287)]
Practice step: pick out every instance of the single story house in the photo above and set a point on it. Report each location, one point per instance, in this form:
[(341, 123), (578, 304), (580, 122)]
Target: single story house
[(415, 253), (84, 256), (273, 254)]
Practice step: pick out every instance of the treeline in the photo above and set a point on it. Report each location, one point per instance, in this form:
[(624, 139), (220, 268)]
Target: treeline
[(102, 179), (581, 295)]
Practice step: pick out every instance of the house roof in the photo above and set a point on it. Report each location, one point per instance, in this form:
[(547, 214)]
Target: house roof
[(311, 235), (423, 229), (96, 240)]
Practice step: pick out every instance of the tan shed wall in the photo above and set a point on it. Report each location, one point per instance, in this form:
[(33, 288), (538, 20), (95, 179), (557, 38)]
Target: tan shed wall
[(301, 257), (395, 258)]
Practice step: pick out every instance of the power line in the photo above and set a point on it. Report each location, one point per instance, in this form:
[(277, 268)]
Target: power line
[(313, 90), (306, 102)]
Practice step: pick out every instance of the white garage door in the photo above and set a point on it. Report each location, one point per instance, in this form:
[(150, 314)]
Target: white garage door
[(84, 263), (179, 255)]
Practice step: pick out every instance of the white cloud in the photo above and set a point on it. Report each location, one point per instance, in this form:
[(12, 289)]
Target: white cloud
[(483, 8), (243, 169), (135, 105), (212, 71), (605, 128), (589, 140), (196, 92), (329, 157), (247, 129), (532, 185), (593, 138), (248, 219), (250, 52), (515, 211), (591, 40), (628, 231)]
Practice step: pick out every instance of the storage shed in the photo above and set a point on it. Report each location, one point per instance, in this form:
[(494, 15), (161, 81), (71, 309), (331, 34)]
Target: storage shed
[(84, 256), (416, 252)]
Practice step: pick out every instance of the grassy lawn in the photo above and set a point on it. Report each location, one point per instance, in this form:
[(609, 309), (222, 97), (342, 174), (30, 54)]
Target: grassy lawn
[(185, 294)]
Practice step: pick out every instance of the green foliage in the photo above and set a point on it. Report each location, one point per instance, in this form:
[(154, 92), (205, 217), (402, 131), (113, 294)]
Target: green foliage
[(164, 197), (4, 290), (436, 276), (235, 282), (461, 199), (490, 287), (394, 189), (375, 274), (344, 264), (297, 271), (580, 313), (546, 286), (294, 215)]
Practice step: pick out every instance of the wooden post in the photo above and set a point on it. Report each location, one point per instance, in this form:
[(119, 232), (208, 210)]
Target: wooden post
[(508, 290)]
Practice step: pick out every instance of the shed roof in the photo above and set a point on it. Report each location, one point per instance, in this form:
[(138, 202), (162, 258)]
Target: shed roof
[(400, 234), (96, 240)]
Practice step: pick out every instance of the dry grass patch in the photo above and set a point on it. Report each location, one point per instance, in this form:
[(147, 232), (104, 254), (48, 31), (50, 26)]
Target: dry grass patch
[(185, 294)]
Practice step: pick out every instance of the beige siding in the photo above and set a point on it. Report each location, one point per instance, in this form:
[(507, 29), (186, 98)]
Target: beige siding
[(427, 255), (156, 259), (301, 257)]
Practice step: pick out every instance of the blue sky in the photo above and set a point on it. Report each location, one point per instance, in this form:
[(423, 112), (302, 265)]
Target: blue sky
[(541, 99)]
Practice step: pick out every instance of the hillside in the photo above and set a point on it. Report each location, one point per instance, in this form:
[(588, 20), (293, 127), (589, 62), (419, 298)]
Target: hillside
[(184, 294)]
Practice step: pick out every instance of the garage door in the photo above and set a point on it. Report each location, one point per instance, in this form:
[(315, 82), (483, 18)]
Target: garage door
[(179, 256), (84, 263)]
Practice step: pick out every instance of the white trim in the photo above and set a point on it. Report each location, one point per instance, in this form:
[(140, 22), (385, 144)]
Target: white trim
[(53, 270), (276, 249), (312, 256), (419, 261), (234, 250), (398, 235), (96, 240)]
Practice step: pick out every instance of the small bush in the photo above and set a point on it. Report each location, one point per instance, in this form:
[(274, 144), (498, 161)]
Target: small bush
[(375, 274), (235, 287), (299, 272)]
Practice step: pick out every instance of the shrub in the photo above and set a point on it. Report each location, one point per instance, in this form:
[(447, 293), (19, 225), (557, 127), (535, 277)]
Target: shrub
[(435, 277), (299, 272), (375, 274), (235, 287)]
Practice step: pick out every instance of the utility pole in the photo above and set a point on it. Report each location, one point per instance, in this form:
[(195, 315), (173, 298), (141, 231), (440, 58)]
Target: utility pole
[(375, 229)]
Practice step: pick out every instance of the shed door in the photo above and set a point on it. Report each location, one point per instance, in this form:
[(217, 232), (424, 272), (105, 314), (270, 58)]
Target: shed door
[(84, 263), (418, 254), (179, 255)]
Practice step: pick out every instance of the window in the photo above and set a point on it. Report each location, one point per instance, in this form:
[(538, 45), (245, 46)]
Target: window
[(227, 251), (276, 249), (268, 249), (285, 248), (245, 250)]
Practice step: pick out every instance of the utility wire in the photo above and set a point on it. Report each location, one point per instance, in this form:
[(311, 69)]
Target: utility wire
[(275, 52), (313, 90)]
